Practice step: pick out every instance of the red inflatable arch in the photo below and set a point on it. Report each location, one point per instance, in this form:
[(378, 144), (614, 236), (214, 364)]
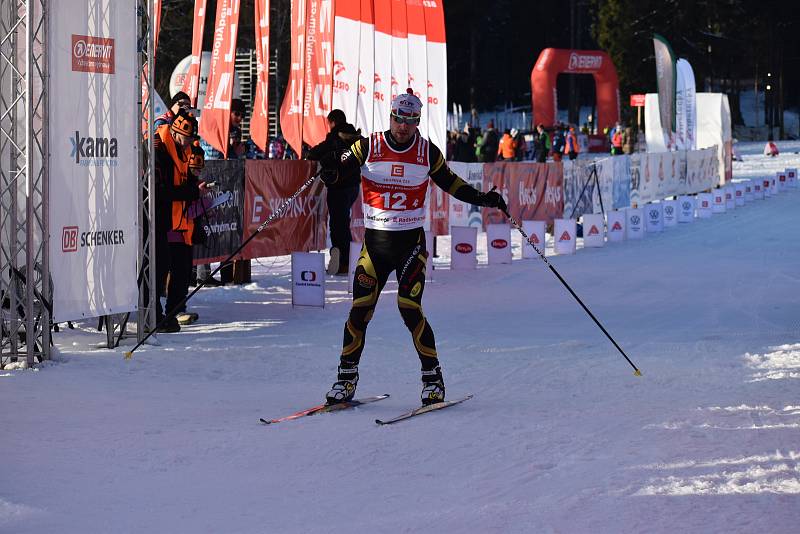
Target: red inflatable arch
[(553, 61)]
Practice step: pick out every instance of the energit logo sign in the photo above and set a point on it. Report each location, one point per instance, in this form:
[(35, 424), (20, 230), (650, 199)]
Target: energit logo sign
[(92, 54), (94, 151), (584, 62)]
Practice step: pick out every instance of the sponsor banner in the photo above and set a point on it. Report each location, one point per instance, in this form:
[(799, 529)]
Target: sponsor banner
[(616, 225), (382, 65), (564, 236), (714, 130), (463, 247), (758, 189), (730, 200), (191, 81), (532, 190), (594, 233), (634, 223), (222, 224), (319, 70), (536, 235), (666, 78), (739, 190), (685, 107), (291, 116), (462, 213), (215, 121), (767, 187), (346, 23), (93, 220), (685, 209), (437, 72), (654, 217), (704, 205), (181, 71), (498, 243), (670, 213), (366, 68), (578, 194), (308, 279), (259, 121), (718, 204), (302, 227), (418, 60), (791, 177), (748, 191), (781, 180)]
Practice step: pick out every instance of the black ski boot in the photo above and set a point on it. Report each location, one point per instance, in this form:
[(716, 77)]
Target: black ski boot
[(344, 388), (432, 386)]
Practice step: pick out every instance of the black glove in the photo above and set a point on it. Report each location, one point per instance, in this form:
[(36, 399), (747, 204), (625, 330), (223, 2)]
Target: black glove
[(493, 199)]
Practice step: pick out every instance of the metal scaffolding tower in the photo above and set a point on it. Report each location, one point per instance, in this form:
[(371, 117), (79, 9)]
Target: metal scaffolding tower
[(24, 260)]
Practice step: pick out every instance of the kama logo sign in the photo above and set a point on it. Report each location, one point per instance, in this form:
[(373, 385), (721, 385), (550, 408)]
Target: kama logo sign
[(594, 231), (565, 236), (94, 151), (499, 243), (69, 239), (92, 54), (398, 170), (464, 248)]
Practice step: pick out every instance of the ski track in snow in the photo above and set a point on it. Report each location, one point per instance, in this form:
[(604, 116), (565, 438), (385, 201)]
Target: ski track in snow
[(560, 437)]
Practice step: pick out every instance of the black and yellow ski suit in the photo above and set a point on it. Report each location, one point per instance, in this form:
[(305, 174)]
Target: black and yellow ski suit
[(401, 251)]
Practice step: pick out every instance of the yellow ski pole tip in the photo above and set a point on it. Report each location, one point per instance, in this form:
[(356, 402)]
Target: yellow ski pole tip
[(637, 373), (128, 355)]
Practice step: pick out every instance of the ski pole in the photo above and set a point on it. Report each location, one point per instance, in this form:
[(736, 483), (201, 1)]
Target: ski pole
[(275, 214), (516, 225)]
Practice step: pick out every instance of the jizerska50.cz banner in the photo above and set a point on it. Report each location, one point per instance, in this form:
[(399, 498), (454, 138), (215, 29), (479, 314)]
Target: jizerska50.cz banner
[(93, 159)]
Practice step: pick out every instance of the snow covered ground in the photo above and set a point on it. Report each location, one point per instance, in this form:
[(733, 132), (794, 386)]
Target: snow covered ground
[(561, 437)]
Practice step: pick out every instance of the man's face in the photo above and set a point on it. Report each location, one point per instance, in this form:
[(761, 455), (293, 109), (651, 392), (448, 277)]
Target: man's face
[(236, 118), (403, 128)]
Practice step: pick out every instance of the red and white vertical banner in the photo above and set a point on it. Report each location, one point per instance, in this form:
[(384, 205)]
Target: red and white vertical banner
[(382, 100), (259, 121), (192, 80), (418, 58), (319, 70), (399, 80), (215, 120), (347, 24), (366, 68), (437, 72), (292, 106)]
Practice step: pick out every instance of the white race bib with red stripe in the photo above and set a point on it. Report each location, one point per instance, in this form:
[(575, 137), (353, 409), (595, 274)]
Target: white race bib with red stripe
[(394, 185)]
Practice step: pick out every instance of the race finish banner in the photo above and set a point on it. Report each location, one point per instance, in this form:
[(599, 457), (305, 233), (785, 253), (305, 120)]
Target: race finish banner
[(94, 184), (533, 191), (302, 227), (220, 211)]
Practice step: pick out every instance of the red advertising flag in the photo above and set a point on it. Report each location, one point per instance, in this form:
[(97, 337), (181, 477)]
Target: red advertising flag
[(192, 80), (259, 122), (437, 72), (303, 226), (215, 120), (292, 105), (319, 71)]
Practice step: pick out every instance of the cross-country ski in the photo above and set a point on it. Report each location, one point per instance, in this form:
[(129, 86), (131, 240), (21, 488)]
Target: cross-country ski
[(422, 410), (325, 408)]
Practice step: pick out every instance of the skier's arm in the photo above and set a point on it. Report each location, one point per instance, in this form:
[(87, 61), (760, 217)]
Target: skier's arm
[(454, 185), (352, 159)]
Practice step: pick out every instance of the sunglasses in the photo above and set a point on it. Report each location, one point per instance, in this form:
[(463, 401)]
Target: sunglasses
[(399, 119)]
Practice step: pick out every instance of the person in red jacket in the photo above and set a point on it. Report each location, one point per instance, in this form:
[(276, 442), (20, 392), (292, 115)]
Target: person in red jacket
[(571, 148)]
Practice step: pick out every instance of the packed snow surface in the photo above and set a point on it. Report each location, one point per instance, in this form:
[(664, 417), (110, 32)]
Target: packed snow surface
[(560, 437)]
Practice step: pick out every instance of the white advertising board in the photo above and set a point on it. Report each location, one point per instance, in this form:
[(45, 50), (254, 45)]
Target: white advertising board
[(308, 279), (463, 247)]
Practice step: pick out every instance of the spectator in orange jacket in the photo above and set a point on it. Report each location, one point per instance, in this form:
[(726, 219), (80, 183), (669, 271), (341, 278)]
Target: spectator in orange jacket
[(507, 147), (571, 148)]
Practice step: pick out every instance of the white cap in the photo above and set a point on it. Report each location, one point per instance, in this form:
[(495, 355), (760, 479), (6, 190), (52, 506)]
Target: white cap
[(407, 104)]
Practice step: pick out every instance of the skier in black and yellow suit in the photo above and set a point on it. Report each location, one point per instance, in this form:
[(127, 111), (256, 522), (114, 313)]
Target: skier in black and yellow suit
[(395, 167)]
